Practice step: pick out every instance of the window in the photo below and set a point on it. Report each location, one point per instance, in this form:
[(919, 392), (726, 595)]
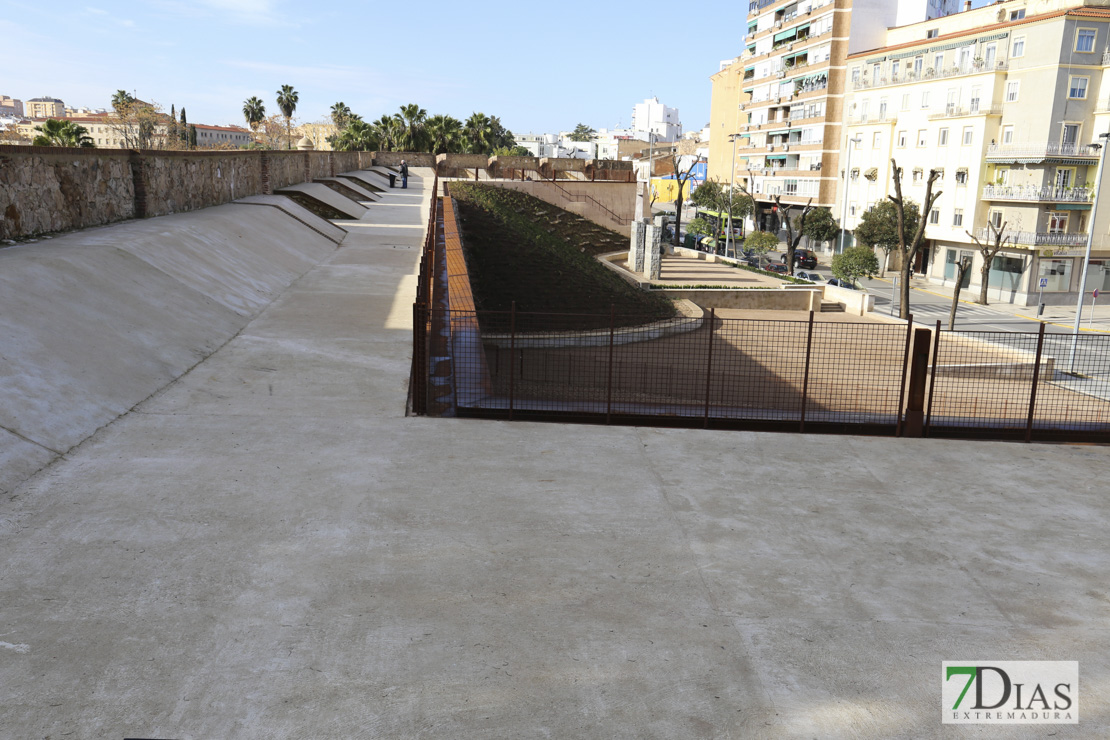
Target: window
[(995, 218), (934, 216), (1077, 88), (1063, 178), (876, 70), (921, 140), (1085, 40), (918, 64), (968, 135), (1017, 15), (938, 63), (1069, 135), (852, 209), (932, 33), (1008, 134), (906, 101), (925, 99), (989, 53), (973, 105), (918, 174), (901, 139), (876, 140), (895, 67), (942, 137), (1018, 48), (958, 217), (1057, 222), (961, 176), (855, 173), (1006, 272), (855, 76), (1012, 90)]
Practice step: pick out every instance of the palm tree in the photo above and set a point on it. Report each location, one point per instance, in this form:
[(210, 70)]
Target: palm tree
[(341, 115), (412, 118), (387, 132), (357, 136), (254, 111), (122, 99), (287, 99), (476, 133), (62, 133), (444, 134)]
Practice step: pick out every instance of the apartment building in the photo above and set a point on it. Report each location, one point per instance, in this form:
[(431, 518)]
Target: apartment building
[(11, 107), (209, 137), (777, 109), (1006, 102), (44, 108), (652, 117)]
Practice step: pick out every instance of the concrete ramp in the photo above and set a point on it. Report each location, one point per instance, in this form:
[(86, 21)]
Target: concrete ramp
[(349, 188), (324, 196), (377, 179), (291, 208), (96, 321), (359, 178)]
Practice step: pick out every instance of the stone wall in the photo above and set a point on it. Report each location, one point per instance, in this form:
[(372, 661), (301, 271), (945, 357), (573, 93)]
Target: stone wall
[(608, 204), (414, 159), (50, 189), (44, 189)]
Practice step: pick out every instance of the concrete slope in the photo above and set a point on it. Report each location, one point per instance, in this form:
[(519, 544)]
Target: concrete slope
[(322, 193), (363, 195), (376, 179), (96, 321), (298, 212)]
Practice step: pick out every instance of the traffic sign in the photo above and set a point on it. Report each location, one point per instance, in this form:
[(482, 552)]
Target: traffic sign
[(1095, 294), (1044, 283)]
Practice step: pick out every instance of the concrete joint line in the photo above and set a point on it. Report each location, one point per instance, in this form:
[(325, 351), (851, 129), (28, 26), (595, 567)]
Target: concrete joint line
[(28, 440)]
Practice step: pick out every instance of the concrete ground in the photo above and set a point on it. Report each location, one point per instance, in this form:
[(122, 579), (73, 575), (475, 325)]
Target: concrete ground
[(269, 548)]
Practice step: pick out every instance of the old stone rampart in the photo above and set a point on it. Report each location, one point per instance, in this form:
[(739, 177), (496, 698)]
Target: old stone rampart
[(50, 189)]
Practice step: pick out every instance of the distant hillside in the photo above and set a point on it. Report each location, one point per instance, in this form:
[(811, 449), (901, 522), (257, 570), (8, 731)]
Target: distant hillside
[(519, 248)]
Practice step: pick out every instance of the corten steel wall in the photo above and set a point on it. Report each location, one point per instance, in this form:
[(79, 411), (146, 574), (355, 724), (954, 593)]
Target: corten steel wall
[(47, 189)]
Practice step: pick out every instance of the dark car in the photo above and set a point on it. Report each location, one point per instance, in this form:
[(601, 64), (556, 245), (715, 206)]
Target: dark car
[(781, 269), (804, 258), (813, 277), (841, 283)]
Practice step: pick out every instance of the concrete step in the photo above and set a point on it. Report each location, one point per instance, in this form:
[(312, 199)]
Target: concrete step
[(831, 307)]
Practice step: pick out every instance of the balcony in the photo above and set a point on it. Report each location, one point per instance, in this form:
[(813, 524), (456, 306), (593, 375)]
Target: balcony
[(1037, 195), (1029, 153), (787, 187), (956, 111), (859, 120), (929, 74), (1037, 238), (1106, 58)]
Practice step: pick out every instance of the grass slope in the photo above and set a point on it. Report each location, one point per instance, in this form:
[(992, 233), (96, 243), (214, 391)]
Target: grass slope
[(519, 248)]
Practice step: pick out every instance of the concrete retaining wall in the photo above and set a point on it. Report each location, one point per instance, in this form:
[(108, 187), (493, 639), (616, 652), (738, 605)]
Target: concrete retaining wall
[(50, 189), (98, 320), (618, 197), (753, 299)]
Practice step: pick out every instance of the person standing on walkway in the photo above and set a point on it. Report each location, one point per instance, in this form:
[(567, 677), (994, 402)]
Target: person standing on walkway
[(404, 174)]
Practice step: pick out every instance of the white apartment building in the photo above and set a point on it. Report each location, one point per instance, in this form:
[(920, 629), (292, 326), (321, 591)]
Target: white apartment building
[(652, 117), (1006, 102), (777, 109), (11, 106)]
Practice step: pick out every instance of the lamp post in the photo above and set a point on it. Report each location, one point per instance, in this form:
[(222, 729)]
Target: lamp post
[(731, 186), (1087, 253), (844, 205)]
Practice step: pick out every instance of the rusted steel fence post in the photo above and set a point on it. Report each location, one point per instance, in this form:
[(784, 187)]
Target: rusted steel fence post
[(609, 390), (1033, 390), (512, 358), (932, 380), (905, 372), (919, 373), (709, 365), (805, 376)]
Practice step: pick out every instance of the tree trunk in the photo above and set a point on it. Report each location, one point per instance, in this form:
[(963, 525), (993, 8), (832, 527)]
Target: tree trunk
[(961, 268), (677, 216), (904, 288), (984, 273)]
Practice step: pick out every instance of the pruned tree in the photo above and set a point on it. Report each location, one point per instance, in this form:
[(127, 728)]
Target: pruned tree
[(681, 178), (792, 239), (961, 269), (989, 250), (878, 227), (907, 251)]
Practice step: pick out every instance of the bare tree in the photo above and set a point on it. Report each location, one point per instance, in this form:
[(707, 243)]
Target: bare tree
[(908, 251), (681, 178), (961, 269), (792, 240), (988, 251)]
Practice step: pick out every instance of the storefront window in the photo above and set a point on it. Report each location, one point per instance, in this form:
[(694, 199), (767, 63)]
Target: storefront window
[(1098, 276), (1058, 275), (950, 261), (1006, 273)]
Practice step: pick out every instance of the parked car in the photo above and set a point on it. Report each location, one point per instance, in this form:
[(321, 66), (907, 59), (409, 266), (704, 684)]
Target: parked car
[(804, 258), (841, 283), (781, 269), (811, 276)]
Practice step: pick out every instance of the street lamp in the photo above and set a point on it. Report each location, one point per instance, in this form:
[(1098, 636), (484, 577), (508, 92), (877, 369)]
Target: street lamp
[(844, 205), (1087, 254), (731, 186)]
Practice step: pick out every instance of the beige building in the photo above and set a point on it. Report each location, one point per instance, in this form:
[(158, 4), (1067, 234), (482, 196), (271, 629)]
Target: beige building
[(44, 108), (777, 109), (212, 137), (11, 106), (1006, 102)]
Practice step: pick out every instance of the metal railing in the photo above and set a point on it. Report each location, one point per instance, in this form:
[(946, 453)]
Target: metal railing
[(1029, 150), (1033, 193), (956, 111), (865, 83), (1041, 238)]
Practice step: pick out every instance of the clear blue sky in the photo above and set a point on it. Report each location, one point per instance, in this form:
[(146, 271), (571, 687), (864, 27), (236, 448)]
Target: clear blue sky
[(540, 67)]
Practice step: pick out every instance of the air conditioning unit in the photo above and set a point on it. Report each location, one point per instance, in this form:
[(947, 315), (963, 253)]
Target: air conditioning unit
[(770, 147), (780, 74), (786, 147), (778, 24), (790, 46)]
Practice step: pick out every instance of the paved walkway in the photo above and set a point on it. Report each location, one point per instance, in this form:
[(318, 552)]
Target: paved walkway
[(269, 548)]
